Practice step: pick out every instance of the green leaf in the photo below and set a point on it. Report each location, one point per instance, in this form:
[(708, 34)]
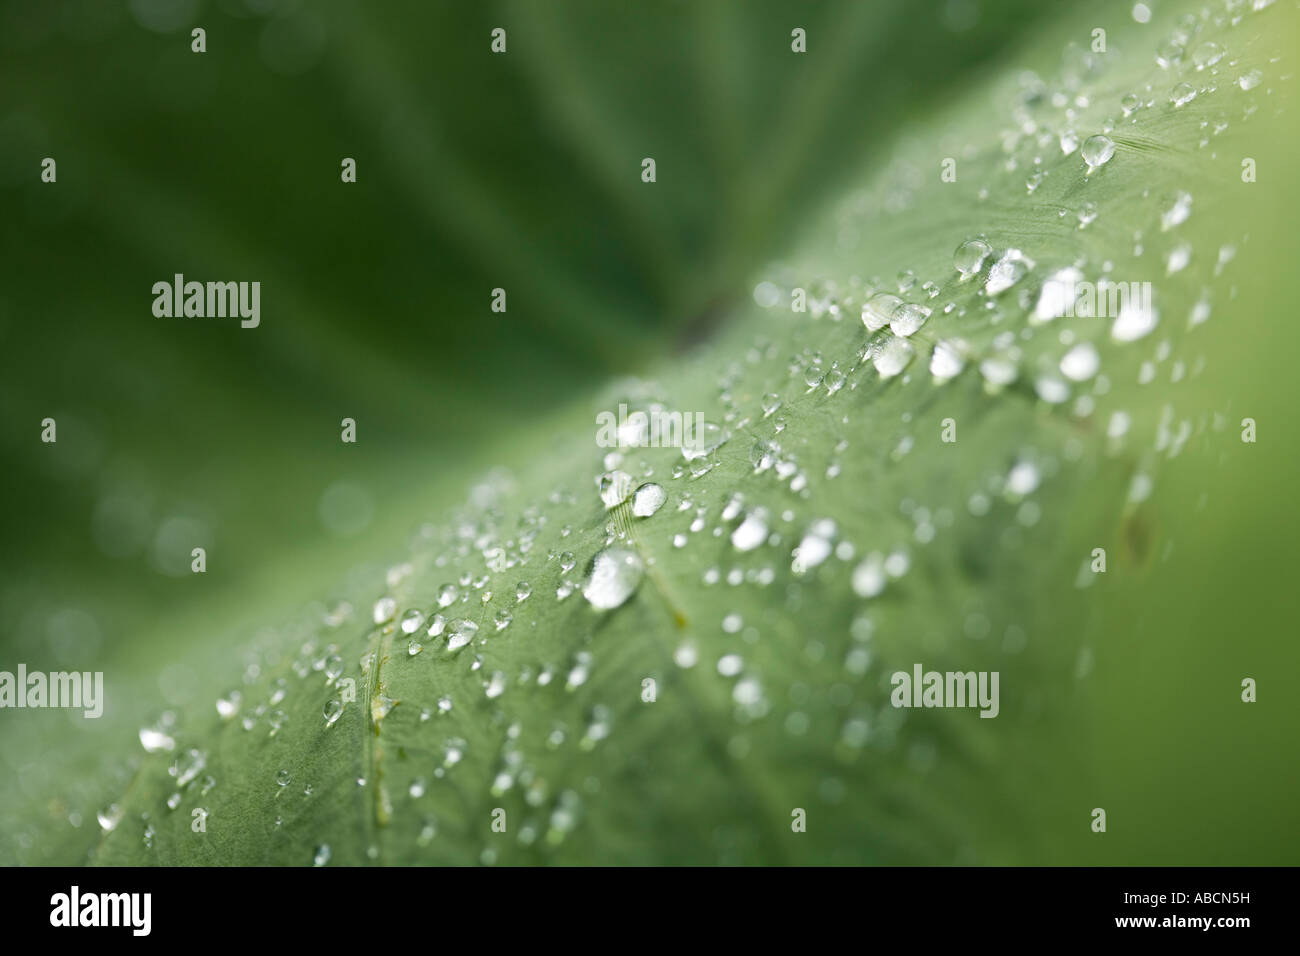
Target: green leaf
[(877, 545)]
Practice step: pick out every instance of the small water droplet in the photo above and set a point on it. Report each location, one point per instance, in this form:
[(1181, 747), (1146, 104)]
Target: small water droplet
[(1136, 318), (1080, 363), (321, 856), (283, 777), (1023, 479), (702, 439), (384, 610), (612, 578), (892, 356), (1248, 81), (462, 631), (332, 711), (1179, 210), (333, 667), (1010, 268), (154, 740), (1207, 54), (109, 817), (815, 547), (751, 532), (1182, 94), (228, 706), (947, 360)]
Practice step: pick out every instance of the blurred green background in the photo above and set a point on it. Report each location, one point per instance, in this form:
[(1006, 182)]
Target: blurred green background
[(475, 171)]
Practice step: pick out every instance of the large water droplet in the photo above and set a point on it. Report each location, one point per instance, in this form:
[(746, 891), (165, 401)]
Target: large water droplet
[(1097, 151), (879, 310), (908, 318), (648, 499), (969, 257), (615, 486)]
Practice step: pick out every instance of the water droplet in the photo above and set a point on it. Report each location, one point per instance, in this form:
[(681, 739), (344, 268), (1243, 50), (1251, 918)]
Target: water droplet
[(109, 817), (1023, 479), (1080, 363), (228, 706), (384, 610), (892, 356), (502, 619), (283, 778), (188, 766), (999, 370), (437, 624), (770, 403), (1007, 271), (1207, 54), (1178, 258), (703, 438), (1097, 151), (764, 454), (447, 595), (751, 532), (648, 499), (321, 856), (1051, 389), (461, 633), (615, 486), (612, 577), (332, 711), (411, 621), (908, 318), (815, 547), (1182, 94), (567, 561), (1129, 102), (879, 310), (154, 740), (1248, 81), (277, 719), (1136, 318), (333, 667), (869, 576), (1180, 208), (969, 257)]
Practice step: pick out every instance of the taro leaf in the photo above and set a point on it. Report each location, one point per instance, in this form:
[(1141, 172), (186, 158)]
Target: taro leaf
[(833, 537)]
